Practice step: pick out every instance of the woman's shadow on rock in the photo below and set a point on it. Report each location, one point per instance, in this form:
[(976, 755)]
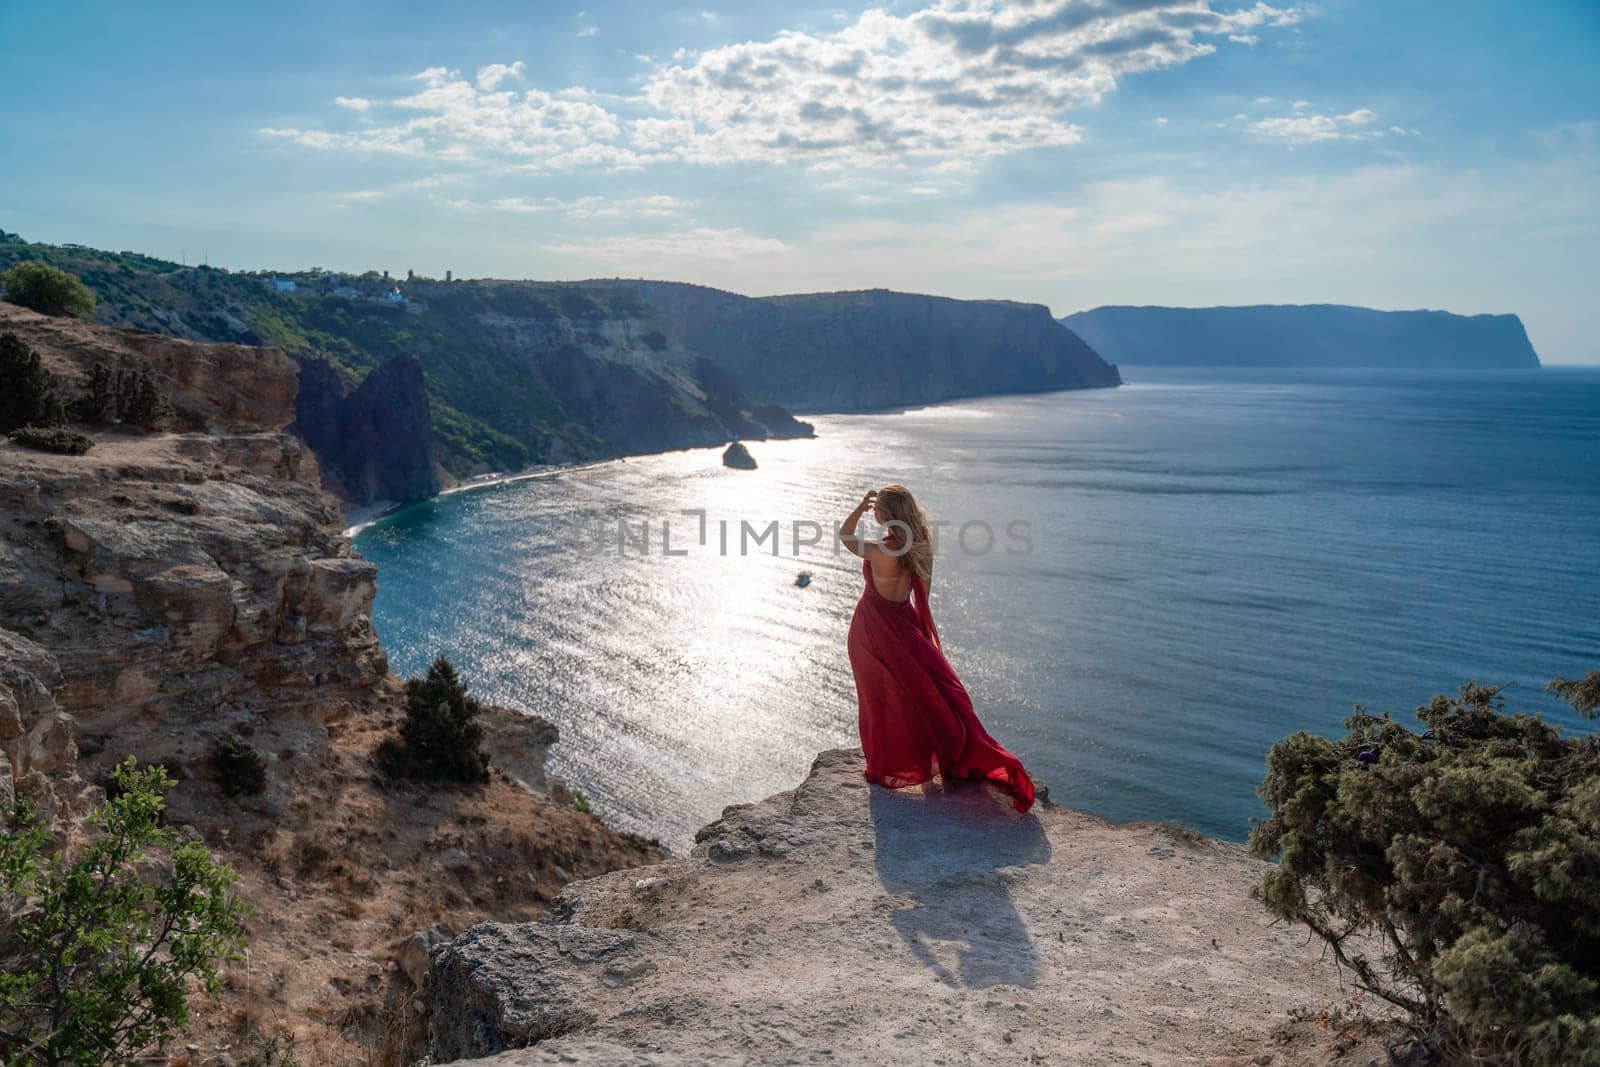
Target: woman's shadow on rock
[(947, 848)]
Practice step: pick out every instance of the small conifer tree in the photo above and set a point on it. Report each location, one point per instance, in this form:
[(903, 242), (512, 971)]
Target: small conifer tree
[(29, 395), (439, 737)]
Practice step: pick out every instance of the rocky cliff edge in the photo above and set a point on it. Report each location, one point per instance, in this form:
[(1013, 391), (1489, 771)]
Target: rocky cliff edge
[(842, 922)]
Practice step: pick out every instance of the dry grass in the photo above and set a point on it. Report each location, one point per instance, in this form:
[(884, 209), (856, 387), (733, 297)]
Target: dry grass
[(343, 866)]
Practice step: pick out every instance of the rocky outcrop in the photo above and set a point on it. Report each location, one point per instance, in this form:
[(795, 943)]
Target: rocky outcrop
[(738, 457), (372, 441), (186, 575), (195, 580), (38, 758), (844, 921), (1312, 335), (875, 349), (228, 387)]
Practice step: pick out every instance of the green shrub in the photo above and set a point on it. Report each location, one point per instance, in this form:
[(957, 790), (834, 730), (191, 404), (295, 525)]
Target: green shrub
[(1466, 856), (47, 290), (438, 738), (237, 768), (29, 395), (56, 439), (578, 802), (126, 395), (99, 402), (100, 945)]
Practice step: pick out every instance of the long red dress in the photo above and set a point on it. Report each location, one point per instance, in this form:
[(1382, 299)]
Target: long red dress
[(915, 716)]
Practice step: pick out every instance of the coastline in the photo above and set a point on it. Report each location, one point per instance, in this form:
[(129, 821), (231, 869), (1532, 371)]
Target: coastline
[(361, 517)]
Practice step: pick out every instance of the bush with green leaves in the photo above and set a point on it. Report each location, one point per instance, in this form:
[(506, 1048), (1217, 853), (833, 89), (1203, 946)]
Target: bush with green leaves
[(57, 439), (238, 769), (439, 739), (29, 395), (101, 946), (47, 290), (126, 395), (1455, 870)]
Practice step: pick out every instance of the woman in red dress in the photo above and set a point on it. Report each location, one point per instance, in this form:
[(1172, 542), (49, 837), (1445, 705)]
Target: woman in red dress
[(914, 714)]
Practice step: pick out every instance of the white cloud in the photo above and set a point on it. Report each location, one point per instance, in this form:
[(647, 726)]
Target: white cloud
[(960, 80), (589, 31), (491, 76), (1303, 128), (583, 208), (354, 103), (378, 141), (944, 86)]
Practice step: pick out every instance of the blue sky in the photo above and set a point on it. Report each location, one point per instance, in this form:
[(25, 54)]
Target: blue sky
[(1395, 155)]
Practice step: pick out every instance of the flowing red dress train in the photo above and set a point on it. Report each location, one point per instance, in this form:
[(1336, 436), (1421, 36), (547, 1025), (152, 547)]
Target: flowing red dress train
[(915, 716)]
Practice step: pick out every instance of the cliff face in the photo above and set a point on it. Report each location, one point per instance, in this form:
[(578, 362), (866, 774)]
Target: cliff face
[(612, 369), (1315, 335), (876, 349), (372, 441), (844, 921)]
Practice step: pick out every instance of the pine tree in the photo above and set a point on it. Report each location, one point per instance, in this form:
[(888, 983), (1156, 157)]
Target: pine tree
[(438, 737), (148, 406), (99, 404), (126, 395), (28, 393)]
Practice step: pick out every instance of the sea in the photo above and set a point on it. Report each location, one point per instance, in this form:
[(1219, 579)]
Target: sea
[(1143, 588)]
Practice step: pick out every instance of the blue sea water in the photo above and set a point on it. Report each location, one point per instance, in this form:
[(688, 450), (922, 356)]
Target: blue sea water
[(1218, 558)]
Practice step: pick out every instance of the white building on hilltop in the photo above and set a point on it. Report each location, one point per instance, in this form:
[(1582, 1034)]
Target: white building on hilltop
[(282, 285)]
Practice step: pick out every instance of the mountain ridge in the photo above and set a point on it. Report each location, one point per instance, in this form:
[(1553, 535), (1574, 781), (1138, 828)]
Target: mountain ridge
[(1321, 335), (873, 349)]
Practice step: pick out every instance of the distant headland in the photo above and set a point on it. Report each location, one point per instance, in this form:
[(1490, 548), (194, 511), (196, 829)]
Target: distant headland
[(1304, 335)]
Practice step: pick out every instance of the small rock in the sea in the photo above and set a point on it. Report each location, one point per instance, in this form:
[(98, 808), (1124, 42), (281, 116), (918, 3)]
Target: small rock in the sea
[(738, 457)]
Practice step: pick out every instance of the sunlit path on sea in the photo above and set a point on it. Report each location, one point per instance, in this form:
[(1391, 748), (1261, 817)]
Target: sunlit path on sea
[(1218, 559)]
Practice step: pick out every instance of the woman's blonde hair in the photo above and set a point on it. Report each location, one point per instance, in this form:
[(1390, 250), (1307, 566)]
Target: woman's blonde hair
[(899, 506)]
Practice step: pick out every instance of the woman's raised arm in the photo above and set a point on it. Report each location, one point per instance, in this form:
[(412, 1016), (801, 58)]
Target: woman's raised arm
[(847, 529)]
